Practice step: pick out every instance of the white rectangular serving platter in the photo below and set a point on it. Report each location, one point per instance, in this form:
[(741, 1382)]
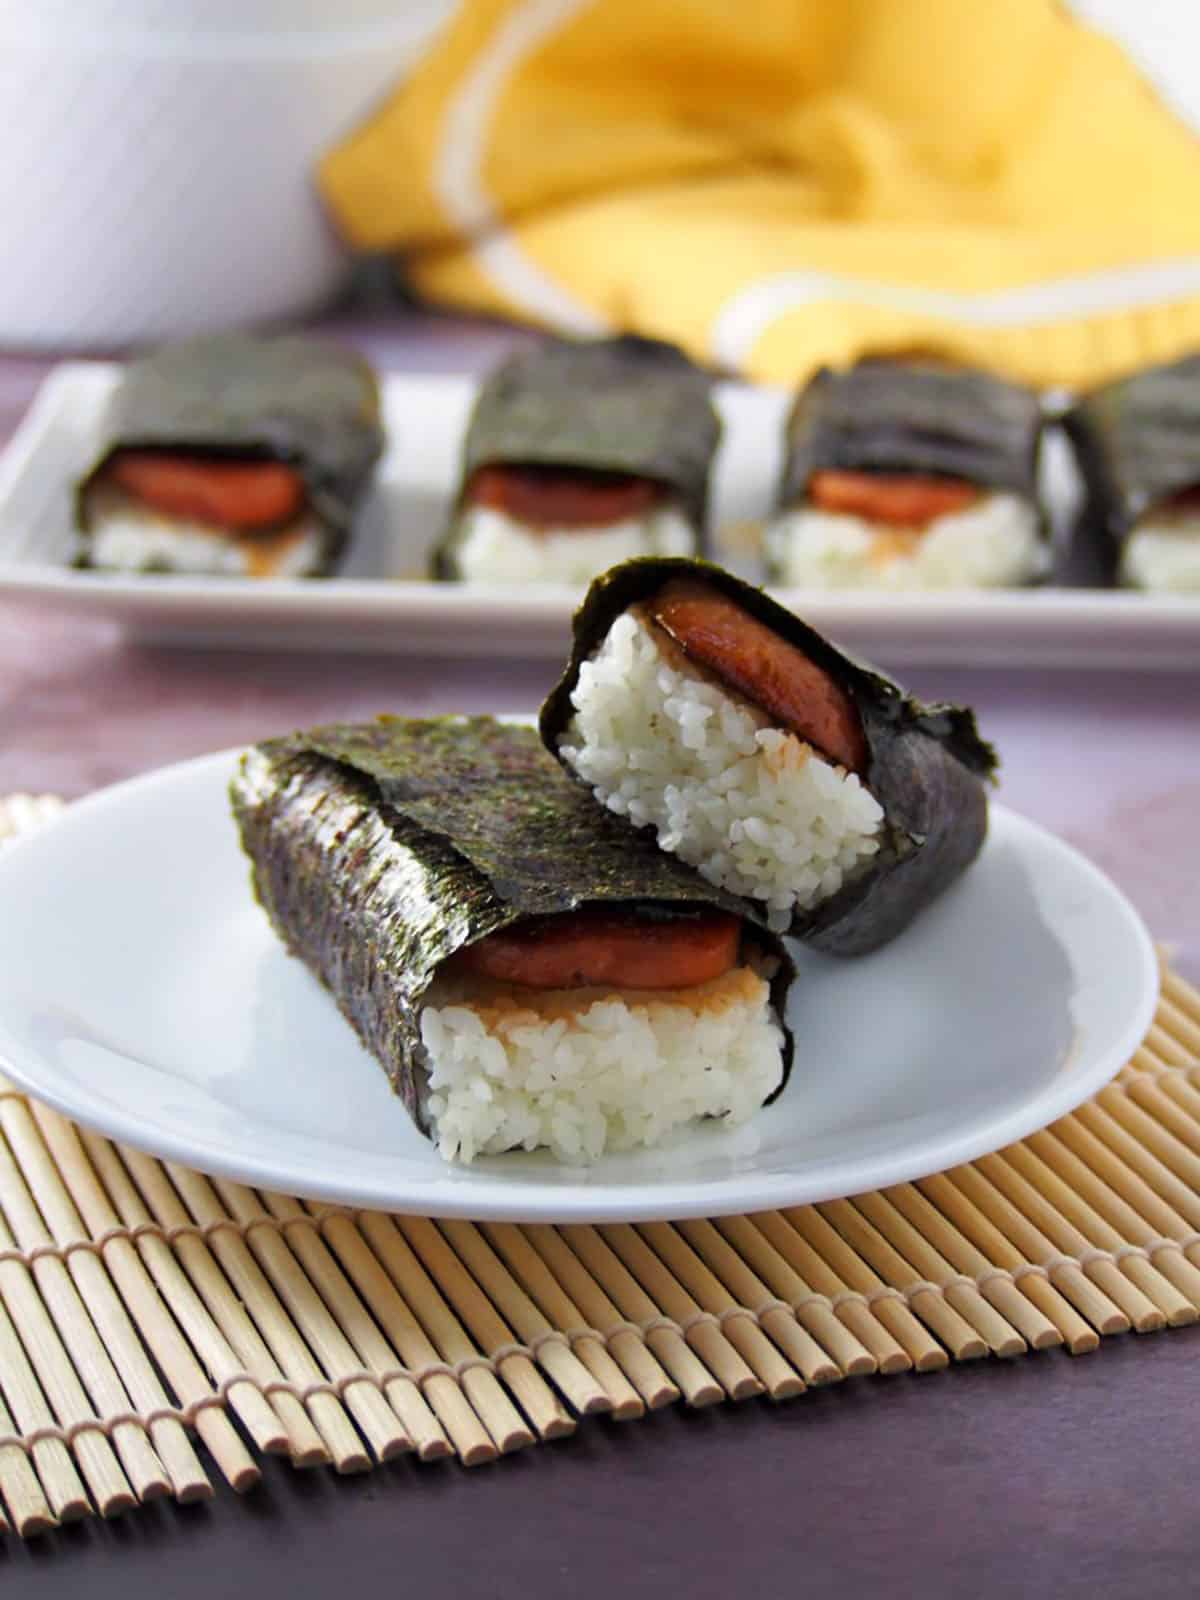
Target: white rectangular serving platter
[(381, 601)]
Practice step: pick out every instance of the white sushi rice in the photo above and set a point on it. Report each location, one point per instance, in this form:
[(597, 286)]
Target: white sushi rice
[(993, 544), (615, 1074), (128, 537), (752, 807), (495, 548), (1163, 557)]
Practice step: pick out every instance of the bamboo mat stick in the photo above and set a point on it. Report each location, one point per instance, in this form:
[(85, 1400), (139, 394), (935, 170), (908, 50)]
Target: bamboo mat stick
[(891, 1310), (31, 1412), (1104, 1158), (849, 1306), (1159, 1053), (1173, 1102), (210, 1315), (995, 1284), (23, 1494), (60, 1382), (973, 1206), (488, 1329), (1103, 1218), (1064, 1218), (1145, 1065), (1184, 995), (1153, 1065), (1034, 1226), (1109, 1126), (379, 1424), (736, 1321), (1168, 1050), (90, 1362), (158, 1328), (560, 1311), (252, 1287), (1039, 1232), (954, 1332), (842, 1350), (324, 1333), (779, 1323), (706, 1258), (371, 1348), (468, 1436), (1185, 1030), (696, 1383), (1153, 1062), (702, 1334), (551, 1352), (1107, 1189), (926, 1261), (629, 1349), (1166, 1123), (495, 1410), (46, 1166)]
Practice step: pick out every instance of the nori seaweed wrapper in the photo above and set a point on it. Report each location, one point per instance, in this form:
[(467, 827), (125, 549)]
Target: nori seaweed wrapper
[(295, 400), (629, 405), (1137, 442), (914, 416), (925, 763), (379, 849)]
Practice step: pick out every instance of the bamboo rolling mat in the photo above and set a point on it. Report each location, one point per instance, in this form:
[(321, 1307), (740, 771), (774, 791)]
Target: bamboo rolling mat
[(144, 1306)]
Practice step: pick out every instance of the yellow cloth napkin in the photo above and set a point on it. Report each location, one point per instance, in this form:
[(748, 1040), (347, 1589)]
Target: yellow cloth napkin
[(777, 183)]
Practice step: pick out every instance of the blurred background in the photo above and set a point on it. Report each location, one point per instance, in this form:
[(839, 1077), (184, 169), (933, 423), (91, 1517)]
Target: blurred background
[(171, 166)]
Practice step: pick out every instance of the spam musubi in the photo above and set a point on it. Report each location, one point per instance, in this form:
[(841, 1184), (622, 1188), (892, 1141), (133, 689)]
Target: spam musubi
[(231, 456), (1138, 444), (527, 973), (783, 771), (578, 455), (906, 473)]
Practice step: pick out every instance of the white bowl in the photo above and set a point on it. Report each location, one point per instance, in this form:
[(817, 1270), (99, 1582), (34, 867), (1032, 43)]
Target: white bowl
[(157, 157)]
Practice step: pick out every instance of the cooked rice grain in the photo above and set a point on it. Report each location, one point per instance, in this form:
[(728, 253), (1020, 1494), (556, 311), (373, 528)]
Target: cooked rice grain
[(1163, 557), (614, 1074), (753, 808), (128, 537), (496, 548), (993, 544)]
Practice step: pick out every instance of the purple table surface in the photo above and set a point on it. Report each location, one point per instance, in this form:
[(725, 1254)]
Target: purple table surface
[(1046, 1477)]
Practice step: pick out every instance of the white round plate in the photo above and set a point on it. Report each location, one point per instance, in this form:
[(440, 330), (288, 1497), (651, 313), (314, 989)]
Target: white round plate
[(143, 993)]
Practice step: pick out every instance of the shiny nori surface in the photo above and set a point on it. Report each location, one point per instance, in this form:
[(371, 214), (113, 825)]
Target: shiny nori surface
[(628, 405), (380, 849), (290, 399), (925, 764), (1137, 442), (914, 416)]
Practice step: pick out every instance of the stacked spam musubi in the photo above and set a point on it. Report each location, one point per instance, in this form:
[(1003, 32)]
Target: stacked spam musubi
[(578, 945)]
